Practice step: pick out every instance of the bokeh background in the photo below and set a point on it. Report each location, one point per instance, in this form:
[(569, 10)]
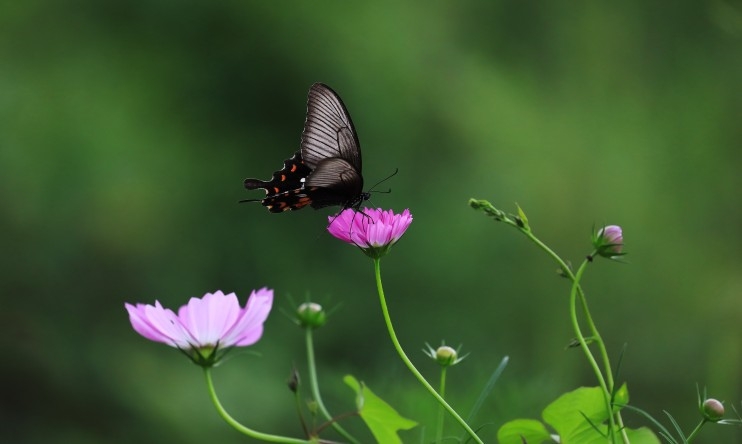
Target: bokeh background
[(126, 129)]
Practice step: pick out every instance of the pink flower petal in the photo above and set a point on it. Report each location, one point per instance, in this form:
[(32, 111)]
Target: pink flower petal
[(215, 319), (372, 230), (249, 327), (209, 317)]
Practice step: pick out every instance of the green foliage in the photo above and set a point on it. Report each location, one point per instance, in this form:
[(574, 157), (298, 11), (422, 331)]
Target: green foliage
[(577, 417), (379, 416), (519, 431)]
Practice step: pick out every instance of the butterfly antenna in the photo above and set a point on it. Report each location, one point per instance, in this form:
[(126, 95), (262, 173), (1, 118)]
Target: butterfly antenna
[(396, 170)]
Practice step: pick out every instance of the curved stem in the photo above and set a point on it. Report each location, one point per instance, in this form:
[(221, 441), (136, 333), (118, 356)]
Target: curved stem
[(314, 386), (239, 427), (521, 223), (608, 382), (409, 364), (583, 344), (604, 356)]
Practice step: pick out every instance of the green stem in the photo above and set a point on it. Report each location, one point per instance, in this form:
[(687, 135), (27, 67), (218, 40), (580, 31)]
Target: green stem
[(598, 339), (696, 430), (608, 382), (439, 431), (314, 385), (525, 229), (239, 427), (408, 363), (583, 344)]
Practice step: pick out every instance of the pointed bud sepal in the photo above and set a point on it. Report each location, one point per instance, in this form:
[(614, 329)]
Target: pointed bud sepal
[(608, 242), (444, 355)]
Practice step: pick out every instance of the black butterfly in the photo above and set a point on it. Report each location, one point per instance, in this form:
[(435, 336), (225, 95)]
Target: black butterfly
[(326, 170)]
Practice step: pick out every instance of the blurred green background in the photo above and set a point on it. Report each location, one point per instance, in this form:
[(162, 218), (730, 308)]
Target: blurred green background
[(126, 129)]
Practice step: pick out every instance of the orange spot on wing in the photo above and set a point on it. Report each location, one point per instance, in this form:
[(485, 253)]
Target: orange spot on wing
[(283, 177), (293, 168), (276, 190)]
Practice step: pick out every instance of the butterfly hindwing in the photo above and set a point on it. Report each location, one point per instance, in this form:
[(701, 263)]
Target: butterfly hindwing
[(332, 182), (283, 191)]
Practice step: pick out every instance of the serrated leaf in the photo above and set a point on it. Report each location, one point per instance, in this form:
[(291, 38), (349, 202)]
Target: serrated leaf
[(380, 417), (530, 430)]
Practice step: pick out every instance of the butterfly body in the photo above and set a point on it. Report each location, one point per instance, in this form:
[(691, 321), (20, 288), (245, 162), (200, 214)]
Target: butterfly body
[(326, 171)]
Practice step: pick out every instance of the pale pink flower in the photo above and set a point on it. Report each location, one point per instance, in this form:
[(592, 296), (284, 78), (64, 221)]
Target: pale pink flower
[(205, 327), (372, 230)]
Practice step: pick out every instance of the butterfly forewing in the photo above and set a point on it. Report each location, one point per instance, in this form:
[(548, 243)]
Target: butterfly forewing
[(328, 130)]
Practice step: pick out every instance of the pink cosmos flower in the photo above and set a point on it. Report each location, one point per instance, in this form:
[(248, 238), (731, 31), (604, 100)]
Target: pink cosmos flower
[(206, 327), (372, 230)]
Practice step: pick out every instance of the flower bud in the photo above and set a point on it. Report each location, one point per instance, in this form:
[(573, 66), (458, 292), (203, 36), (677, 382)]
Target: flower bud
[(445, 355), (311, 315), (712, 410), (293, 381), (608, 241)]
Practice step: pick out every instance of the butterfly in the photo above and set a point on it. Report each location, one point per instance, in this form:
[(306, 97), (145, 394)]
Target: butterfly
[(326, 171)]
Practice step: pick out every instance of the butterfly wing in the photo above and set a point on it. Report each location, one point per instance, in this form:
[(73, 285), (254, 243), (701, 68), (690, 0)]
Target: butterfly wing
[(328, 130), (285, 190), (326, 170), (334, 182)]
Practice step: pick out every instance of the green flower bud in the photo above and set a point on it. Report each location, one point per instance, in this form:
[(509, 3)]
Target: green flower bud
[(712, 410), (446, 355), (311, 315)]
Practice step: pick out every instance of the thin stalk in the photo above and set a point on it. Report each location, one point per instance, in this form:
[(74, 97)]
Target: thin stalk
[(314, 386), (239, 427), (409, 364), (696, 430), (583, 345), (597, 338), (442, 390)]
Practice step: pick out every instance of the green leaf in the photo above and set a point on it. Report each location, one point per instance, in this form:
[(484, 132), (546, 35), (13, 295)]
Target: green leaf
[(380, 417), (568, 413), (578, 417), (642, 435), (530, 430), (620, 398)]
